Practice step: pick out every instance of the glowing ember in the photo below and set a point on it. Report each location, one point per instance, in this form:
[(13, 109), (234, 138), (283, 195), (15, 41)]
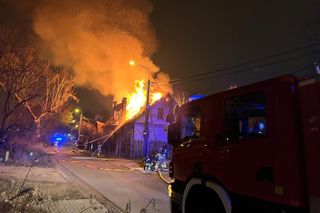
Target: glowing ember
[(137, 100)]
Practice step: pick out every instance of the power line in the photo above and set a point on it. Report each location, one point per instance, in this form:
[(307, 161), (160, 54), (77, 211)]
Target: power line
[(243, 64), (293, 73), (245, 69), (303, 68), (267, 65)]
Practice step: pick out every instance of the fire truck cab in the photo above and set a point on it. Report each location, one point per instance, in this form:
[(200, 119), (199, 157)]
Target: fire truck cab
[(251, 149)]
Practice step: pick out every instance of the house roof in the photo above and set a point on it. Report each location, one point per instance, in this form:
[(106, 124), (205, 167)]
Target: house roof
[(138, 115)]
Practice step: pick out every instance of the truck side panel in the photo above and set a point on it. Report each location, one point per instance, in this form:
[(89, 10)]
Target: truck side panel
[(310, 112)]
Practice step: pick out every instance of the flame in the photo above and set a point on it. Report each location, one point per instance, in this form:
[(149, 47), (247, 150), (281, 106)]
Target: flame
[(137, 100), (155, 97)]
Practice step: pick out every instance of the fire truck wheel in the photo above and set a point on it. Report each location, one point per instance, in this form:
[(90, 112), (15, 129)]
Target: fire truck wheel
[(203, 199), (175, 207)]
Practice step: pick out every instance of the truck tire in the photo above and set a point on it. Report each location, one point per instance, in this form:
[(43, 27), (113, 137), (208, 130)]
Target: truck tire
[(203, 199), (175, 207)]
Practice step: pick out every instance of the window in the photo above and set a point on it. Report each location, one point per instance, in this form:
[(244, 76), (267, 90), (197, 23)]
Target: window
[(190, 125), (245, 116), (160, 114)]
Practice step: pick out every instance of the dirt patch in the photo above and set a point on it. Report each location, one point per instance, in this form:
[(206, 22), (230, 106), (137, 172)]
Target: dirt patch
[(42, 186), (36, 173), (26, 198)]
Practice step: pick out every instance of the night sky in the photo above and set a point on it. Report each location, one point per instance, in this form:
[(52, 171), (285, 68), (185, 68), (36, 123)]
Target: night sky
[(202, 36)]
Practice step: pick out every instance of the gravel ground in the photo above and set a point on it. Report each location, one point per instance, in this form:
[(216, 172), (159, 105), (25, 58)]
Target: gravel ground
[(43, 188)]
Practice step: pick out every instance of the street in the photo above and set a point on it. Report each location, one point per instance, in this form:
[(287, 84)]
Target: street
[(119, 180)]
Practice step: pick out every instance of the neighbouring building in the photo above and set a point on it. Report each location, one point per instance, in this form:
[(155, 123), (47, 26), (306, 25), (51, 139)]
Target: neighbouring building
[(127, 140)]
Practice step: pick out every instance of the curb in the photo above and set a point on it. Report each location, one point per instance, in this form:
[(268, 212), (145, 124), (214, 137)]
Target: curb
[(100, 197)]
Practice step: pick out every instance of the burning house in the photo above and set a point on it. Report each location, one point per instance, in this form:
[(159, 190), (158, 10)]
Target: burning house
[(127, 138)]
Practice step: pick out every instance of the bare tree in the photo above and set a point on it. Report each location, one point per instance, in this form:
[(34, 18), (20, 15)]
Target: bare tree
[(28, 81), (180, 99), (55, 87), (89, 130), (16, 75), (68, 118)]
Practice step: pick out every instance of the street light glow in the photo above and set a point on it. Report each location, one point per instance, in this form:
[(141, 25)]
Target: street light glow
[(132, 63), (77, 110)]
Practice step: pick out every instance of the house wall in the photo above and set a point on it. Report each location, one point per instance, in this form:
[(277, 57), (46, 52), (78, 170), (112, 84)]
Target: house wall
[(128, 141), (158, 134), (119, 144), (154, 113)]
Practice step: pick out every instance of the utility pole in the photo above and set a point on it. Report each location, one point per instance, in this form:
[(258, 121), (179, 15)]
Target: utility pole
[(79, 129), (146, 148)]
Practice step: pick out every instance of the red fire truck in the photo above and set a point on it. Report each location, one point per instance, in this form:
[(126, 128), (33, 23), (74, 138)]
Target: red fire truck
[(249, 149)]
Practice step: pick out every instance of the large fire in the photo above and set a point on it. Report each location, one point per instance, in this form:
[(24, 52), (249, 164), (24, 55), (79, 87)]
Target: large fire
[(137, 100)]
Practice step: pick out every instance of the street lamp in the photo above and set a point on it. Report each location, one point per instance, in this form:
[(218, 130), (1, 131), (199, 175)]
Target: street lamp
[(146, 148), (77, 111), (132, 63)]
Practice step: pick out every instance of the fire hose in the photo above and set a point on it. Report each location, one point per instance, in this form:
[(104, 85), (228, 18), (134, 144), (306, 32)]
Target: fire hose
[(163, 179)]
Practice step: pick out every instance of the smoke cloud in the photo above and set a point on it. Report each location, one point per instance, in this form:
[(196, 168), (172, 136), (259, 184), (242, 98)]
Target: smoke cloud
[(96, 39)]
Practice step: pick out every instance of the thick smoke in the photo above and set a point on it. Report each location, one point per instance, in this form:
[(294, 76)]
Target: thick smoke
[(96, 39)]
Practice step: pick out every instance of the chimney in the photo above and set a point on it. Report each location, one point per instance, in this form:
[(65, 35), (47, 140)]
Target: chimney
[(114, 112)]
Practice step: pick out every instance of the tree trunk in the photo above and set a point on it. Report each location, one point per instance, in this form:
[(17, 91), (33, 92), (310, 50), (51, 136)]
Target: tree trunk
[(38, 130)]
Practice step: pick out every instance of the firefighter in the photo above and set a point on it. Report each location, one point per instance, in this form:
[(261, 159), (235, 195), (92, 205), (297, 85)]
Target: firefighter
[(161, 157), (99, 150)]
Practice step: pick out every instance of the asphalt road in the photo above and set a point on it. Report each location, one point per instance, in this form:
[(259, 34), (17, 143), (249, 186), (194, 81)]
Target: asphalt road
[(119, 180)]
